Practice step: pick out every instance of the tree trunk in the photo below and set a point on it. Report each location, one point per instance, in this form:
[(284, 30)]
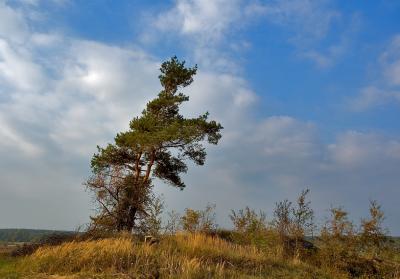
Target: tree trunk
[(130, 222)]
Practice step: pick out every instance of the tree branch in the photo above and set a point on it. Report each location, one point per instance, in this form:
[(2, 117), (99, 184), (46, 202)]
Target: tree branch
[(106, 208), (137, 168), (149, 166)]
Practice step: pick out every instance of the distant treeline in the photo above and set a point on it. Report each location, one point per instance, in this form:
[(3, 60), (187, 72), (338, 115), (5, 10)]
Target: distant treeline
[(26, 235)]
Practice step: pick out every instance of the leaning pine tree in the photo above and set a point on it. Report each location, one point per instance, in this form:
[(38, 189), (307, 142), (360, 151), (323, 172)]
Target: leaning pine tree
[(156, 145)]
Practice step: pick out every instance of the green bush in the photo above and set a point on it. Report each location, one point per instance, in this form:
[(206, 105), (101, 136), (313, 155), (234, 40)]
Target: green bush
[(199, 220)]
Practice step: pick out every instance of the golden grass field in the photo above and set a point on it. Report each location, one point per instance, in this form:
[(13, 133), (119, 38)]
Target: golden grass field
[(180, 256)]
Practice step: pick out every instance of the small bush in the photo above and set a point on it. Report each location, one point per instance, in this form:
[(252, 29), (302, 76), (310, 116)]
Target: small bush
[(250, 227), (337, 243), (151, 224), (199, 220), (373, 237), (293, 223), (357, 253)]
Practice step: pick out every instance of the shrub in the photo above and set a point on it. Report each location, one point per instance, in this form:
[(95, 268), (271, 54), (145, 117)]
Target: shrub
[(250, 227), (302, 226), (294, 223), (373, 236), (247, 220), (337, 242), (199, 220), (173, 224), (151, 224)]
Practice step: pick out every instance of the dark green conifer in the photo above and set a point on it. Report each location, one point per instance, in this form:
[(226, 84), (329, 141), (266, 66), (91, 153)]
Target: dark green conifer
[(157, 144)]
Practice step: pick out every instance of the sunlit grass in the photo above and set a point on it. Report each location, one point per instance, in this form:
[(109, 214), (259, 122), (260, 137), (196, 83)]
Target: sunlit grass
[(180, 256)]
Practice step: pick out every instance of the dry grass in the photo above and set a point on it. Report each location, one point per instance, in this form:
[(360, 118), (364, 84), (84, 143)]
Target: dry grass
[(180, 256)]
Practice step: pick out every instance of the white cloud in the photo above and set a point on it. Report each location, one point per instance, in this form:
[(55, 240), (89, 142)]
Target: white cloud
[(325, 58), (9, 139), (284, 136), (390, 60), (309, 19), (205, 26), (372, 96), (204, 19), (29, 2), (310, 22), (354, 149), (17, 68), (12, 24), (96, 91), (387, 88), (45, 40), (37, 2), (208, 25)]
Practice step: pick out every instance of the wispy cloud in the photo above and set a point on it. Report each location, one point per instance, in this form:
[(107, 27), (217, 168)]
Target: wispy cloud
[(386, 88), (209, 24), (371, 97), (206, 28), (38, 2), (390, 60), (208, 21), (12, 23), (309, 20), (11, 139), (309, 23)]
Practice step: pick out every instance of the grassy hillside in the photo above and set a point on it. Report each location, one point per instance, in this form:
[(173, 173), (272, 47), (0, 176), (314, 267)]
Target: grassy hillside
[(25, 235), (184, 255), (180, 256)]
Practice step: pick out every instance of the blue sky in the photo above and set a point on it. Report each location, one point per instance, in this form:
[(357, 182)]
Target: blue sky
[(308, 92)]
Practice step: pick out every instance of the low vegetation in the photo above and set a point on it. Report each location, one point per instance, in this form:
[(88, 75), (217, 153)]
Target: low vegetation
[(192, 246), (179, 256)]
